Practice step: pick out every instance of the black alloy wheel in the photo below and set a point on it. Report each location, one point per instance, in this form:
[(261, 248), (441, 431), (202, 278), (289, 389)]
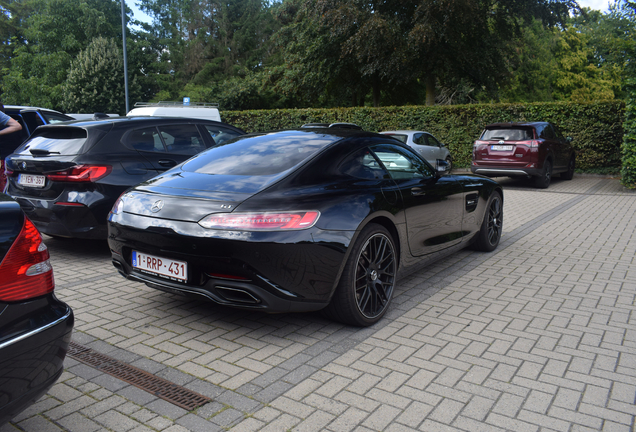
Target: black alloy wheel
[(492, 225), (543, 181), (366, 286), (375, 276)]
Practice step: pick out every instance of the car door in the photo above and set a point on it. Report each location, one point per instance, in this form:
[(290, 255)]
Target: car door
[(436, 148), (563, 148), (219, 134), (422, 147), (166, 146), (555, 147), (433, 204)]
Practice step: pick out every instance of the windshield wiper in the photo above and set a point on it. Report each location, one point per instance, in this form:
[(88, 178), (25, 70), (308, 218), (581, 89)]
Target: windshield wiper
[(42, 152)]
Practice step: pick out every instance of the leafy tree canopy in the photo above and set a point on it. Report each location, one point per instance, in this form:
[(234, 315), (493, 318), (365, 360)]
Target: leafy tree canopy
[(42, 37), (332, 44), (95, 81)]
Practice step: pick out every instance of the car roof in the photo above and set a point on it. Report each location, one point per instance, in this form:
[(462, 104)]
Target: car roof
[(515, 124), (124, 120), (404, 131), (22, 107), (332, 131)]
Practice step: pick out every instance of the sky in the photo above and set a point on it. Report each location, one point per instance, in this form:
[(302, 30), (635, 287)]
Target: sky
[(601, 5)]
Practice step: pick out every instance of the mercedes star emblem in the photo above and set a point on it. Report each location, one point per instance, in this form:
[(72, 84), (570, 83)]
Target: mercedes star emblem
[(158, 205)]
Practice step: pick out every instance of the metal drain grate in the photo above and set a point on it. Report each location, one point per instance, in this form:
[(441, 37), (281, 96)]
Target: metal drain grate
[(159, 387)]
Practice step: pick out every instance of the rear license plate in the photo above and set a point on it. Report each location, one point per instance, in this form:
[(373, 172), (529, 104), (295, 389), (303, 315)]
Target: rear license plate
[(165, 267), (501, 147), (31, 180)]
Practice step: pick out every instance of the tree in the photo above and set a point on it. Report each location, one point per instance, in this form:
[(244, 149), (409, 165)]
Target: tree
[(575, 77), (54, 33), (558, 64), (347, 45), (46, 35), (95, 81), (611, 40), (207, 42)]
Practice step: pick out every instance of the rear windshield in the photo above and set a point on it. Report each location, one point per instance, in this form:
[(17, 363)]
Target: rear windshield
[(259, 155), (508, 134), (62, 141)]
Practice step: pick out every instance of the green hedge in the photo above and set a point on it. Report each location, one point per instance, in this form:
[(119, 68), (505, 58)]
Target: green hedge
[(628, 171), (597, 128)]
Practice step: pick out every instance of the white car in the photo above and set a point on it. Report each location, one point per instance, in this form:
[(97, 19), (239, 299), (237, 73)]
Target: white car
[(197, 110), (425, 144)]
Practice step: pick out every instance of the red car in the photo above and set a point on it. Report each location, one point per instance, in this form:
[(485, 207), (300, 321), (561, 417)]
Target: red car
[(35, 327), (534, 150)]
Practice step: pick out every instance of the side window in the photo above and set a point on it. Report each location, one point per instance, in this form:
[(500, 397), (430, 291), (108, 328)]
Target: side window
[(558, 133), (53, 118), (402, 164), (548, 133), (363, 165), (146, 139), (219, 135), (182, 139), (419, 139), (432, 141)]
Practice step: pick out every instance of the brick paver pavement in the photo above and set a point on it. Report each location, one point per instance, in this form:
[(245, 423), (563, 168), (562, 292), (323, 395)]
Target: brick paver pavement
[(539, 335)]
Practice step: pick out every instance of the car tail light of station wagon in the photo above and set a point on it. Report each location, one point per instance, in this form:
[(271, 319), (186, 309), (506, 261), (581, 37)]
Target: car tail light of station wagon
[(81, 173), (25, 271)]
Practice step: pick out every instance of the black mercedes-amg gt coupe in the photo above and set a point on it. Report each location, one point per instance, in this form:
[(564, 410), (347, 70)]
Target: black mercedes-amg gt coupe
[(300, 220)]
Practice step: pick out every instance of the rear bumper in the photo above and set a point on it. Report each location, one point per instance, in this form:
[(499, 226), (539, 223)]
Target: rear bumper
[(494, 171), (294, 271), (33, 345), (236, 294), (63, 220)]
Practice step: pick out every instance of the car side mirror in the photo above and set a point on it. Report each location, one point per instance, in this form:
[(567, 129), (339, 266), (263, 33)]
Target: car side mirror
[(441, 166)]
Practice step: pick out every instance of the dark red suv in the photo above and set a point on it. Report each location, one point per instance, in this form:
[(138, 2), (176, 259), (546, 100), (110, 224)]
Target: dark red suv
[(534, 150)]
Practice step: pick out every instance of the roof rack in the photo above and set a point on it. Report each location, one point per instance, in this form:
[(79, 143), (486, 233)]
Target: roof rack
[(177, 104)]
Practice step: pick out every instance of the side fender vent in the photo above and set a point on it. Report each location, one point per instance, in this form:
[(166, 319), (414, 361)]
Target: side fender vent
[(472, 199)]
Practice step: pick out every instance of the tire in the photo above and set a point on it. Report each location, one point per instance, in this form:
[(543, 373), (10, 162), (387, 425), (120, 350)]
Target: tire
[(570, 172), (490, 233), (366, 286), (543, 181)]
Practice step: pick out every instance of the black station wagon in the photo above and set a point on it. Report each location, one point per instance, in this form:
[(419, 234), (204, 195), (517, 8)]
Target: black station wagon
[(66, 177)]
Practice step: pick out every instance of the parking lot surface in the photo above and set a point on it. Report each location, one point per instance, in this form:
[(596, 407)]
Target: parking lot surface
[(539, 335)]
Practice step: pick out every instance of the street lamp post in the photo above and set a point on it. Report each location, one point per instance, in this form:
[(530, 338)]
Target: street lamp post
[(123, 32)]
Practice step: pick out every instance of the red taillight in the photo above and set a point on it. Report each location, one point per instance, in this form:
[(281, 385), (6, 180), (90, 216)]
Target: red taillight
[(81, 173), (261, 221), (69, 204), (534, 144), (25, 271)]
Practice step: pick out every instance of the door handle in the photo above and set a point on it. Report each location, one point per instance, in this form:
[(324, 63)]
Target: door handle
[(167, 163), (418, 191)]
